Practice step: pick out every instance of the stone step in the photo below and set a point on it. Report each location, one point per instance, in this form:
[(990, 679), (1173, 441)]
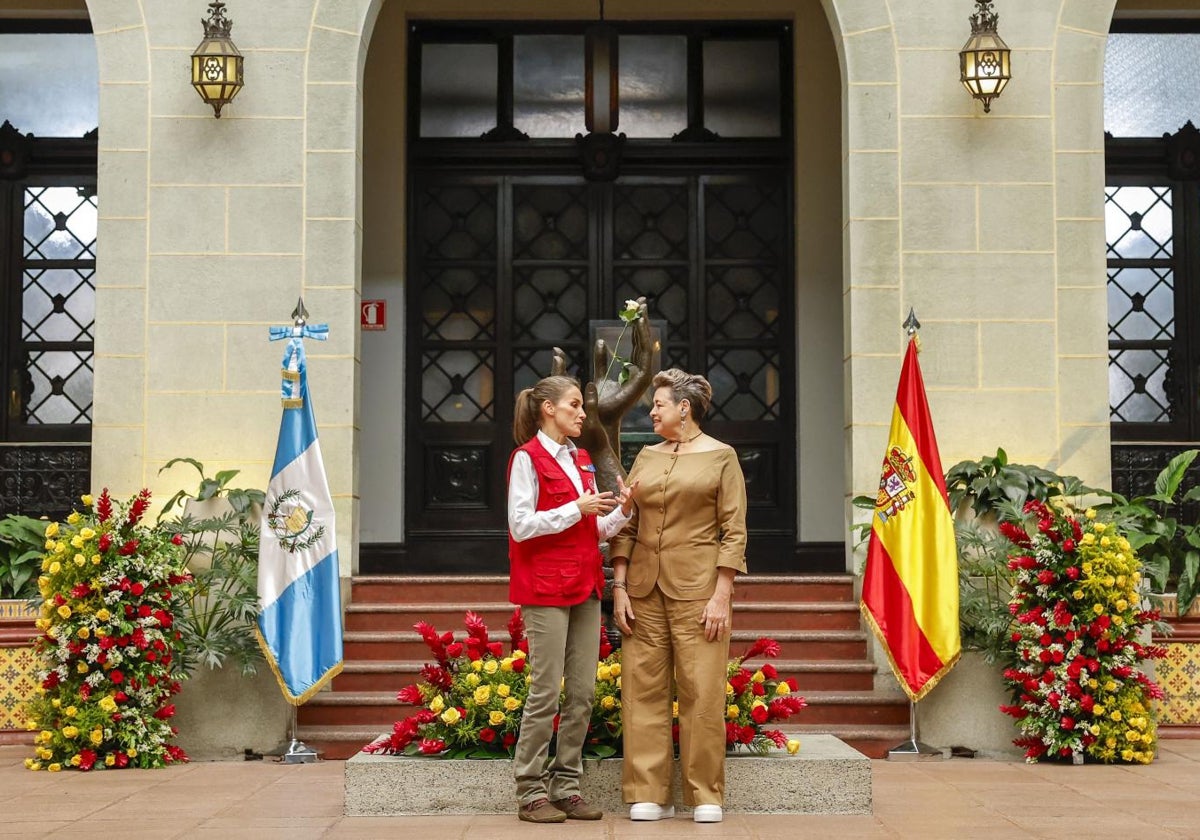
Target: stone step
[(853, 708), (353, 708), (467, 590), (811, 675), (764, 617), (797, 644), (342, 742)]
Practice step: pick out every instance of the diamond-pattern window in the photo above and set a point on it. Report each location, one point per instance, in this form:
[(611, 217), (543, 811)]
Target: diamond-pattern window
[(745, 384), (550, 303), (60, 224), (1138, 222), (550, 223), (458, 223), (459, 304), (58, 305), (1141, 303), (457, 386), (61, 387), (743, 302), (1136, 389)]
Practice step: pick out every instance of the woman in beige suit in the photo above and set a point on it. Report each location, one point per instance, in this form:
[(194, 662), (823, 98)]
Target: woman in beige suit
[(673, 569)]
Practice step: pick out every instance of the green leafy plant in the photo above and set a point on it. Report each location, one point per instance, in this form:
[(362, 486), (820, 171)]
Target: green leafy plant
[(984, 485), (218, 486), (21, 544), (217, 619), (1169, 548), (221, 549)]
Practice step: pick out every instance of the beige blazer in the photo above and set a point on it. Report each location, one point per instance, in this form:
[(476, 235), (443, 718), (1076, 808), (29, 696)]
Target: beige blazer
[(689, 519)]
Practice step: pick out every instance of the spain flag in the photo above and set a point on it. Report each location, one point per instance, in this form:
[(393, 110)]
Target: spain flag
[(910, 586)]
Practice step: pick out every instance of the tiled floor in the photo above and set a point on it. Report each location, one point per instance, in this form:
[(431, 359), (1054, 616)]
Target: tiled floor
[(959, 798)]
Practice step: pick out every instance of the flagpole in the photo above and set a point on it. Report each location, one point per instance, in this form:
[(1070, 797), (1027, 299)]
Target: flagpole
[(295, 751), (913, 749)]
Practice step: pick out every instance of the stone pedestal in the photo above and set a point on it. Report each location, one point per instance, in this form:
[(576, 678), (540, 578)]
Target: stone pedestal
[(825, 777)]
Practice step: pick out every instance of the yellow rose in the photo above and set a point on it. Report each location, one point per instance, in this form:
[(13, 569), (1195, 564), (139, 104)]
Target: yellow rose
[(506, 664), (483, 694), (86, 499), (759, 677), (45, 754), (783, 688), (496, 717), (1098, 609), (45, 736), (76, 541), (110, 760), (512, 703), (101, 632), (1116, 715), (95, 559), (1118, 620), (97, 737), (55, 567), (728, 689), (1094, 729), (42, 623), (451, 716), (60, 547), (476, 664), (108, 704), (52, 529), (491, 666), (1133, 735), (64, 611), (603, 672), (86, 534), (793, 746), (519, 654), (74, 517), (1090, 513), (472, 679), (49, 547), (75, 759), (80, 560), (1110, 686), (608, 702), (83, 633), (131, 752), (56, 703), (103, 615), (732, 711), (71, 711), (70, 731), (437, 704), (55, 767), (503, 689), (1098, 710)]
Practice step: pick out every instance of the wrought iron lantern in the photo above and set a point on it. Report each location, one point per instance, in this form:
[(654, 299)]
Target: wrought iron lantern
[(217, 63), (985, 60)]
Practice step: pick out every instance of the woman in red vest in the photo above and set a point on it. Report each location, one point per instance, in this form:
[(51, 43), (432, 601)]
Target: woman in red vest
[(556, 519)]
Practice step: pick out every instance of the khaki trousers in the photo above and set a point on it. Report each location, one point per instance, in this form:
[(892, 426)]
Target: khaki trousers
[(564, 643), (668, 640)]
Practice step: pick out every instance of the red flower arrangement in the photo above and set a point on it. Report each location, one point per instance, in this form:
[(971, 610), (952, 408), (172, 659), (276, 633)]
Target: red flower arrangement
[(108, 647), (473, 694), (1075, 662)]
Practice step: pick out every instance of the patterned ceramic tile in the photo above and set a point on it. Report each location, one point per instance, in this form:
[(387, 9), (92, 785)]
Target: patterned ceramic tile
[(17, 684), (1179, 676), (17, 609)]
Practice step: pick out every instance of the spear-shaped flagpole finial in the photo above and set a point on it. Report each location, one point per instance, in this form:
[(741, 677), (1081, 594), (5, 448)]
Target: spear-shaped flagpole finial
[(911, 324), (300, 314)]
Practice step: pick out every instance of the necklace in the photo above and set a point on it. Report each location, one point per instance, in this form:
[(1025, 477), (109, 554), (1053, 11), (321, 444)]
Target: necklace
[(679, 443)]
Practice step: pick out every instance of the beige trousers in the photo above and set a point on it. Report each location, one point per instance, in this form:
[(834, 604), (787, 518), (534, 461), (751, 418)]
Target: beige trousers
[(668, 640), (564, 643)]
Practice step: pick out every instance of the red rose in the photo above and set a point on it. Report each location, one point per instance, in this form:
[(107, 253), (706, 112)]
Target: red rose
[(122, 759), (758, 689), (769, 671), (87, 760), (487, 735), (792, 684), (454, 650), (746, 734), (508, 740), (1046, 577), (117, 677), (120, 696), (144, 611), (1068, 546), (759, 714), (177, 539), (518, 665), (137, 589), (1068, 722)]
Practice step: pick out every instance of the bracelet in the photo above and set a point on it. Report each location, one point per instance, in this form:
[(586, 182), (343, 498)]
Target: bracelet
[(620, 584)]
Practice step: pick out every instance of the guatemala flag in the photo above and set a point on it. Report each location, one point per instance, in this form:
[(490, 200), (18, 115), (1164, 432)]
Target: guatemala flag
[(300, 626)]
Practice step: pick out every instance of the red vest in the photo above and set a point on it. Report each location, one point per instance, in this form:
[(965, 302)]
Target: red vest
[(563, 569)]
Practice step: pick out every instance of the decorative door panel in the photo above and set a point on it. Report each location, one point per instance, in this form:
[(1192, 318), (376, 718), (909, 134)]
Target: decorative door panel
[(505, 268)]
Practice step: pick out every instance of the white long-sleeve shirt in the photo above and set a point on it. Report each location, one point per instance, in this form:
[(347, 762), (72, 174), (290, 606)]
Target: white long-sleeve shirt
[(525, 521)]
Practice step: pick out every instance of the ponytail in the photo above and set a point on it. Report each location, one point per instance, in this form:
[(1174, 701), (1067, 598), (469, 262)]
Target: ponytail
[(527, 413)]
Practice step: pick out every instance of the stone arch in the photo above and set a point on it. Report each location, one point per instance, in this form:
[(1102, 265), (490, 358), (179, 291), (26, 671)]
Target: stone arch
[(1080, 40), (123, 56)]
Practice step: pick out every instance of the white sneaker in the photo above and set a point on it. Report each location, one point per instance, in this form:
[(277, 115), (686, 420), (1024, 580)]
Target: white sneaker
[(651, 811), (707, 814)]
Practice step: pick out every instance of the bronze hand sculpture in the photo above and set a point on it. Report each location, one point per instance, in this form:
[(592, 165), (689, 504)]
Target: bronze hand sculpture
[(607, 402)]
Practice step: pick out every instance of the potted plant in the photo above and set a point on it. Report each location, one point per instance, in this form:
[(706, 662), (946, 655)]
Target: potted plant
[(1168, 546)]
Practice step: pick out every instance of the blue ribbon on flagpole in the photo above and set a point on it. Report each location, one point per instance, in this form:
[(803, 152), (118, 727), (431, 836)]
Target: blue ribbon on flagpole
[(294, 352)]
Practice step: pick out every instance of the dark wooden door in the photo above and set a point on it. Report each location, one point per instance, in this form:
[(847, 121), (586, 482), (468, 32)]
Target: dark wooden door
[(504, 268)]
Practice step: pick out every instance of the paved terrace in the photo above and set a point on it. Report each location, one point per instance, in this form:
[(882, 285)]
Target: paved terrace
[(959, 798)]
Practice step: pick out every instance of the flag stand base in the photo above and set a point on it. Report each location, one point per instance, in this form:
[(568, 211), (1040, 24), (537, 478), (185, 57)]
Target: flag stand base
[(914, 749), (295, 751)]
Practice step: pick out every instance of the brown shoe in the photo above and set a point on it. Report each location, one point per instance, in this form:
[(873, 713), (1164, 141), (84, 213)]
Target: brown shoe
[(541, 811), (577, 808)]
